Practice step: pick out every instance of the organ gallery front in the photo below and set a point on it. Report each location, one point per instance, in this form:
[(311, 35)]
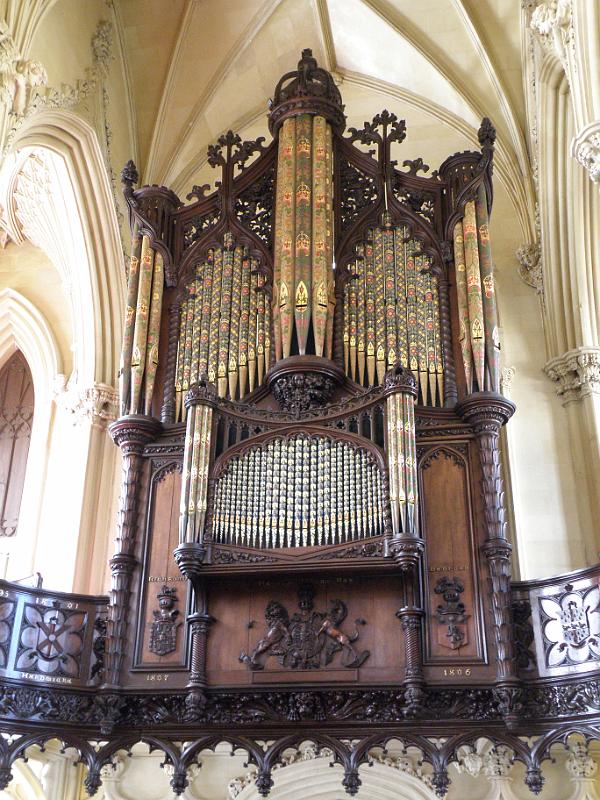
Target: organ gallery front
[(312, 536)]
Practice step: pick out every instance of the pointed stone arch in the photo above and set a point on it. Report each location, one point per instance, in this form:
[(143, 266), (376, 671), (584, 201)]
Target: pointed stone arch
[(23, 327), (98, 276)]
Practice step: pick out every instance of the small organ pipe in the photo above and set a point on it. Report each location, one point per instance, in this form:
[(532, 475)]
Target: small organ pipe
[(298, 491)]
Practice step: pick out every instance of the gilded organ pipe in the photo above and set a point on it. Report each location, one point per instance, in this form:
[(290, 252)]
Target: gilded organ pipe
[(391, 312), (303, 292), (475, 287), (401, 388), (141, 335), (196, 461)]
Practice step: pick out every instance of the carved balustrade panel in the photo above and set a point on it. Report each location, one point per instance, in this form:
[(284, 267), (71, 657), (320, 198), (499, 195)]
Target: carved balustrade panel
[(51, 638)]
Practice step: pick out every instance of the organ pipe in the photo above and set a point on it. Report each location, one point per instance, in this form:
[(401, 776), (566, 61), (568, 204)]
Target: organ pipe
[(401, 451), (391, 312), (141, 336), (196, 462), (301, 491), (304, 295), (475, 286), (224, 323)]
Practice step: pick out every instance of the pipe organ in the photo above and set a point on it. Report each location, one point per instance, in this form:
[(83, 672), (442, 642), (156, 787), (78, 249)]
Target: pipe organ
[(312, 479), (318, 340)]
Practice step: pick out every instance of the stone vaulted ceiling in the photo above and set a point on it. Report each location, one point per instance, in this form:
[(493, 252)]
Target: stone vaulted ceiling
[(199, 67)]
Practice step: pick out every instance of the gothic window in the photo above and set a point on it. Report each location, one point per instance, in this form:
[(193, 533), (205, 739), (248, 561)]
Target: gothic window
[(16, 416)]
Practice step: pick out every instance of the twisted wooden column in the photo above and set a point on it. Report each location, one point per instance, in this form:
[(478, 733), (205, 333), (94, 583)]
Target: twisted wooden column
[(487, 412), (167, 412), (450, 390), (131, 434)]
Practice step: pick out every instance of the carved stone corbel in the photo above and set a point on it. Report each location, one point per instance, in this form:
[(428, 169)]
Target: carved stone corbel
[(576, 373)]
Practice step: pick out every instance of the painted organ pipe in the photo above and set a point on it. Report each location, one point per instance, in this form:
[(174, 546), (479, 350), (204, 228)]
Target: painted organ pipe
[(223, 328), (477, 309), (300, 491), (391, 313), (196, 462), (402, 452), (304, 293), (139, 353)]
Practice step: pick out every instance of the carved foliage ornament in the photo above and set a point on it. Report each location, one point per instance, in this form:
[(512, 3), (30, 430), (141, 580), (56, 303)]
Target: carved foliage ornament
[(308, 639), (577, 373), (529, 257), (51, 641)]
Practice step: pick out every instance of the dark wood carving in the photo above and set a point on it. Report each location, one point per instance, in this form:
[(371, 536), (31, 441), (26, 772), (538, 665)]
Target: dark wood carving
[(451, 613), (163, 628), (452, 652), (308, 639)]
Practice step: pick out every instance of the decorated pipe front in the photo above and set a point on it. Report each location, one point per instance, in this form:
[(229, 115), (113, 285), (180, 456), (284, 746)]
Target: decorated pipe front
[(477, 309), (139, 352), (402, 451), (304, 292), (196, 462)]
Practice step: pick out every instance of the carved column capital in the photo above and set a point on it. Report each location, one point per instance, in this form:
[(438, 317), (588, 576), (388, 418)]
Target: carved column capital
[(97, 403), (486, 412), (576, 373), (189, 557), (133, 432), (585, 147), (400, 379), (406, 551), (202, 393)]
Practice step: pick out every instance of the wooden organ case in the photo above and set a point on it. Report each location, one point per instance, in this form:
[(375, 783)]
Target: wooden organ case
[(310, 419)]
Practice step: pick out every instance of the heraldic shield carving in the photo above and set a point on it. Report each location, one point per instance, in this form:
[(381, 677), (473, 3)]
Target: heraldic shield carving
[(163, 631), (308, 639)]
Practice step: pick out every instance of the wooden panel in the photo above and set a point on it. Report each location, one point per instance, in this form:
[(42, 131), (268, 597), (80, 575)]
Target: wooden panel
[(161, 569), (239, 610), (450, 555)]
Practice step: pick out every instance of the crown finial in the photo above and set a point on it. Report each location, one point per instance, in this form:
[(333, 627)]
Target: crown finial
[(307, 89)]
